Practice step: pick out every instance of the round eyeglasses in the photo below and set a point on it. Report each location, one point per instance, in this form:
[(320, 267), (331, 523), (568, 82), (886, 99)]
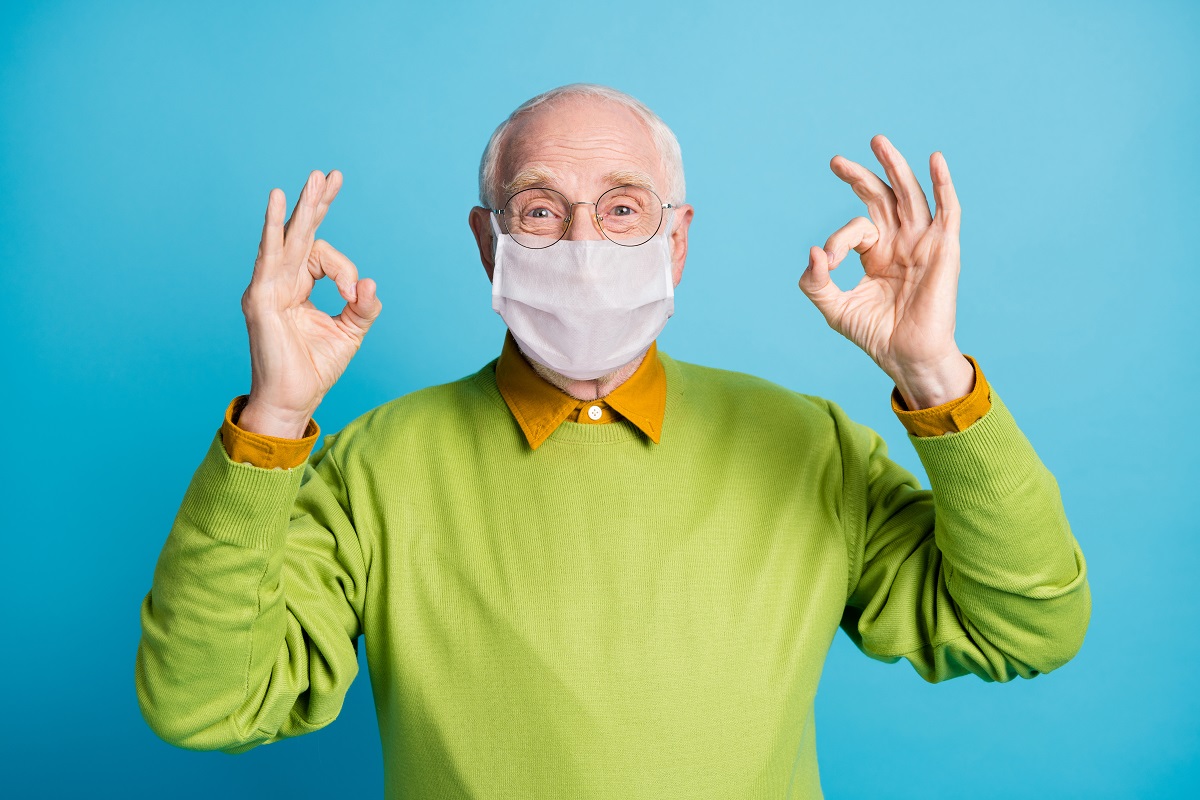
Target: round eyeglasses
[(537, 218)]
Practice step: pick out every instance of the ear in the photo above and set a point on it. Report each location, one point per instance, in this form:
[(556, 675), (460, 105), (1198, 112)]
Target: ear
[(480, 220), (679, 240)]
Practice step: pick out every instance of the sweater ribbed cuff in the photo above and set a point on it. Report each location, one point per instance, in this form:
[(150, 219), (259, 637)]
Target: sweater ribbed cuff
[(238, 503), (981, 464)]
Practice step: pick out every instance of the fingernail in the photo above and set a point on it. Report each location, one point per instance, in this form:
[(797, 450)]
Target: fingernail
[(829, 255)]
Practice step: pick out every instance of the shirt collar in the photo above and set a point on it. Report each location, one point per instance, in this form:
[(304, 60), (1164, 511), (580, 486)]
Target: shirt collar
[(540, 408)]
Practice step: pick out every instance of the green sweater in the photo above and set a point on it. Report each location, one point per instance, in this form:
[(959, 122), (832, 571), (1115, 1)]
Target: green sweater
[(602, 617)]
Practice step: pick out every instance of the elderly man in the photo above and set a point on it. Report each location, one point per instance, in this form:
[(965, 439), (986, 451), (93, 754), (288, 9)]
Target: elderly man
[(588, 569)]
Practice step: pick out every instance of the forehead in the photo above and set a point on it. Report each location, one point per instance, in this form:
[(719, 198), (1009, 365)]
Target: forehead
[(581, 142)]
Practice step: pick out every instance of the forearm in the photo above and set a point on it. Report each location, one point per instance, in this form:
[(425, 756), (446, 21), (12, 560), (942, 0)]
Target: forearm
[(1010, 561), (979, 575), (208, 610), (236, 627)]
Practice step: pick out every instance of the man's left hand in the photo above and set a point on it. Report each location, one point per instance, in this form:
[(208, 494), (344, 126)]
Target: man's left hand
[(902, 311)]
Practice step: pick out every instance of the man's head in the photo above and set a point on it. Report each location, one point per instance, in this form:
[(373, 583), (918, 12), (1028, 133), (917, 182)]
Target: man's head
[(582, 140)]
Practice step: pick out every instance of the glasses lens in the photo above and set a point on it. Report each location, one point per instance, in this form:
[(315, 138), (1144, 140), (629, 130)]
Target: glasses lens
[(536, 218), (629, 215)]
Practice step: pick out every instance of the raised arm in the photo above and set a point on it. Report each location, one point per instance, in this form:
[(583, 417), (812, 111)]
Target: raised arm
[(250, 628), (249, 631), (982, 574)]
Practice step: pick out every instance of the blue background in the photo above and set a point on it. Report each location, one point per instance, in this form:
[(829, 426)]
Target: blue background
[(138, 143)]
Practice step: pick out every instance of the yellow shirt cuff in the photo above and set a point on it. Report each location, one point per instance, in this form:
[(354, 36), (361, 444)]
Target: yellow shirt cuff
[(267, 452), (952, 417)]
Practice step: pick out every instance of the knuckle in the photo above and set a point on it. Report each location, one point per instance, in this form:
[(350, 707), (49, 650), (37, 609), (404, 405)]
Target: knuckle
[(250, 301), (951, 211), (253, 293)]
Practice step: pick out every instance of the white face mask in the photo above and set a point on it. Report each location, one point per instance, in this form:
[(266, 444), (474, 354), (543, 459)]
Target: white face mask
[(583, 308)]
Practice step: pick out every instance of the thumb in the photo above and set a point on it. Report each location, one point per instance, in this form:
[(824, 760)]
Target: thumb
[(364, 308), (817, 286)]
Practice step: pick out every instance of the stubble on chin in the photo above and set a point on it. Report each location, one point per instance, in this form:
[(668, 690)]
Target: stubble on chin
[(592, 389)]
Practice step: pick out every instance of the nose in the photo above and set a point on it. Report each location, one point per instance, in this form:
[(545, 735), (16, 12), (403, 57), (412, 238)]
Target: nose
[(583, 223)]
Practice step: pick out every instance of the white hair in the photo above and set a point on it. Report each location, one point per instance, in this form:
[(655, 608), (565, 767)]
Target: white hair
[(669, 154)]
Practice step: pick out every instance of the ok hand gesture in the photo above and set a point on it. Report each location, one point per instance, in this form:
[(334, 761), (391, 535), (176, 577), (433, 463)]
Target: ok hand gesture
[(297, 351), (902, 311)]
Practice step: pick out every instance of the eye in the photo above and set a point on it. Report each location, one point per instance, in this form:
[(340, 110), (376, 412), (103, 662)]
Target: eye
[(622, 211), (539, 212)]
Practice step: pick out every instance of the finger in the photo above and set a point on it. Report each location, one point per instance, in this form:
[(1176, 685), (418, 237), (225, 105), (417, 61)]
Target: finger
[(298, 233), (270, 246), (880, 200), (817, 286), (910, 198), (363, 311), (859, 234), (325, 260), (948, 211), (333, 182)]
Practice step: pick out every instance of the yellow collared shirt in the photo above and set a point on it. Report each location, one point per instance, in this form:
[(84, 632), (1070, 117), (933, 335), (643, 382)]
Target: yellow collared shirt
[(540, 408)]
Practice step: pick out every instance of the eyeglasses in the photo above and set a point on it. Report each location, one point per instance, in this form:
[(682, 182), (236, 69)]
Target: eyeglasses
[(537, 218)]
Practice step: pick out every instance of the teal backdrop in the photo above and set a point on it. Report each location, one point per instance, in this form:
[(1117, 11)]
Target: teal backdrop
[(139, 141)]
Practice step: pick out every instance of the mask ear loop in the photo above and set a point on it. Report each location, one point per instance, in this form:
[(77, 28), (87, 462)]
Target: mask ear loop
[(495, 234), (498, 271)]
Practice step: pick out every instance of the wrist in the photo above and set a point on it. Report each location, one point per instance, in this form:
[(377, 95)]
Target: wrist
[(260, 418), (934, 383)]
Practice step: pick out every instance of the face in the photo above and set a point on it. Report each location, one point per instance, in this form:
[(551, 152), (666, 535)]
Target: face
[(581, 146)]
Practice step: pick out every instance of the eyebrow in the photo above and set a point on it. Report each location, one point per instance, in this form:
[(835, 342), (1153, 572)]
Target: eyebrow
[(539, 175), (627, 178), (529, 178)]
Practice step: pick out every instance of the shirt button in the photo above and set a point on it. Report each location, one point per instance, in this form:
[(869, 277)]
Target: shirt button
[(594, 413)]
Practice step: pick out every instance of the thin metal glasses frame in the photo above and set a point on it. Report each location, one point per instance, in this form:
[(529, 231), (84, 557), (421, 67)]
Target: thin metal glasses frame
[(499, 212)]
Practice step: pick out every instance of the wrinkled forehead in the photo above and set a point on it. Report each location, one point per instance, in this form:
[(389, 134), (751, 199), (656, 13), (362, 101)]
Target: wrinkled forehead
[(580, 146)]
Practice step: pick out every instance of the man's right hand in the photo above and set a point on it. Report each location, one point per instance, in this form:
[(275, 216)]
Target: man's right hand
[(297, 352)]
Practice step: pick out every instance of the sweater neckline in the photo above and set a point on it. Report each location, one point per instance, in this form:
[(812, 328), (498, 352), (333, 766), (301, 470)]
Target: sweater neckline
[(579, 433)]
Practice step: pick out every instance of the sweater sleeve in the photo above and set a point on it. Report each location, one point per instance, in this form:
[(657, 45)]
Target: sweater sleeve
[(980, 575), (250, 628)]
